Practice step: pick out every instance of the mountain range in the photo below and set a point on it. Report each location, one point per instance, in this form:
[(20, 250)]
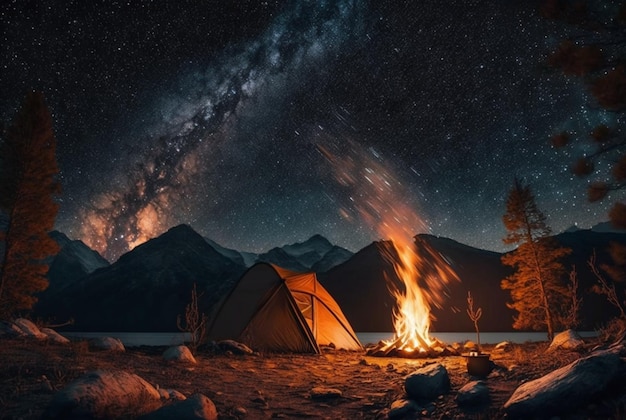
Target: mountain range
[(147, 288)]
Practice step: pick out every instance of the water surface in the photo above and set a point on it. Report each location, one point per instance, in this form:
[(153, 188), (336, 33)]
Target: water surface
[(132, 339)]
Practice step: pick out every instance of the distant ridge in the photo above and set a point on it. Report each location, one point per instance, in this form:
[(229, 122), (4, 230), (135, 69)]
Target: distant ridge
[(149, 286)]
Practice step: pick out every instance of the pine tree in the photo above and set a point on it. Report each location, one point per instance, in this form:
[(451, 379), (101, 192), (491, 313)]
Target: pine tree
[(536, 288), (28, 187)]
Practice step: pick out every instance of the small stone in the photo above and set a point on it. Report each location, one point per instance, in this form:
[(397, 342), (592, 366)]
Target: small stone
[(503, 346), (473, 393), (427, 382), (197, 406), (568, 340), (401, 408), (470, 345), (54, 336), (234, 347), (319, 393), (107, 343), (179, 354), (29, 328)]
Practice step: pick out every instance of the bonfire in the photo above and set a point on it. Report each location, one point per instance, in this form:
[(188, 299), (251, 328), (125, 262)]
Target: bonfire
[(424, 275)]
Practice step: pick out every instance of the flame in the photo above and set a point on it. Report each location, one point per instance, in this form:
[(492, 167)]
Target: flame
[(412, 315), (424, 275), (381, 201)]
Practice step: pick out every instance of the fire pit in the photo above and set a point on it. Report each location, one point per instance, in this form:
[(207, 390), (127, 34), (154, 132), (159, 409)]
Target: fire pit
[(393, 349)]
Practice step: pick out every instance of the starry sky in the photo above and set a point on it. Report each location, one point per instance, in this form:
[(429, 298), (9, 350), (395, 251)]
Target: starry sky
[(261, 123)]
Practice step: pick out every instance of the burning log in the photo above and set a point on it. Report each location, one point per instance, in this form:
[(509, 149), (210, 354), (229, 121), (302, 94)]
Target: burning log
[(394, 349)]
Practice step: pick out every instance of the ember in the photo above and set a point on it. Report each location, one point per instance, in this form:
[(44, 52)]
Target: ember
[(393, 348)]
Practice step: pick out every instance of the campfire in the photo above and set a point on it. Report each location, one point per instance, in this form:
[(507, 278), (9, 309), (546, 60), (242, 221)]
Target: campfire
[(423, 274)]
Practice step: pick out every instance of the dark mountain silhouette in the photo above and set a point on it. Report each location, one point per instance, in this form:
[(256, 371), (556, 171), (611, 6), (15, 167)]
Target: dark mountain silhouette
[(147, 287), (360, 288), (70, 266), (315, 254), (74, 261)]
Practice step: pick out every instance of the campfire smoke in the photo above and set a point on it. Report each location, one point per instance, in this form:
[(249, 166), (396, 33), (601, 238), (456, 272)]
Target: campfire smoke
[(381, 201)]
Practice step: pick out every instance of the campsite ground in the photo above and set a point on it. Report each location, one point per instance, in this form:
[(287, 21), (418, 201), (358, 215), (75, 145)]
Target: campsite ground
[(276, 385)]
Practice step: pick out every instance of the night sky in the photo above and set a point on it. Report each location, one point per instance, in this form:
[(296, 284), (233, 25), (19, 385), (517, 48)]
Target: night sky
[(261, 123)]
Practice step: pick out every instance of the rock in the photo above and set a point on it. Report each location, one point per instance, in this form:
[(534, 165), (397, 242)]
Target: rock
[(470, 345), (9, 329), (180, 354), (427, 382), (234, 347), (29, 328), (197, 406), (171, 394), (503, 346), (176, 395), (568, 340), (103, 394), (567, 388), (107, 343), (52, 335), (403, 407), (241, 411), (473, 393), (319, 393)]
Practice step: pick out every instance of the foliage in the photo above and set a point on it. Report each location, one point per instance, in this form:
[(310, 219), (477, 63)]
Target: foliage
[(596, 53), (195, 323), (607, 288), (28, 187), (536, 288), (474, 315), (614, 330), (571, 313)]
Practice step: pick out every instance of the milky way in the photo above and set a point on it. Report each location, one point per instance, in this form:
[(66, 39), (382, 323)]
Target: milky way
[(223, 117)]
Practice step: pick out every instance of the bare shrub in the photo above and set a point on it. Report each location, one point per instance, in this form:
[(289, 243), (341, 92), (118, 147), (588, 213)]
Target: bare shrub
[(194, 322)]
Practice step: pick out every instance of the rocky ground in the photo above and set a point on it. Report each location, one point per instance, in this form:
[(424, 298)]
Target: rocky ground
[(334, 385)]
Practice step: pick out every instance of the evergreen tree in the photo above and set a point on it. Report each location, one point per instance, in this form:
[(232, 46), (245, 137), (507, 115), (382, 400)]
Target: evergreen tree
[(536, 288), (28, 186)]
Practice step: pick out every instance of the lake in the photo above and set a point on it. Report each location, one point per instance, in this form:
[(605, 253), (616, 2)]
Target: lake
[(133, 339)]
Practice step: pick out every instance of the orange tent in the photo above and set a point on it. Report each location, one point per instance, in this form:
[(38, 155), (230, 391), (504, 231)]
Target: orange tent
[(273, 309)]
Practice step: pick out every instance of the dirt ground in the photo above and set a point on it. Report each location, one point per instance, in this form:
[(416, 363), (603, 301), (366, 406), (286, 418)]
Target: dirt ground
[(279, 385)]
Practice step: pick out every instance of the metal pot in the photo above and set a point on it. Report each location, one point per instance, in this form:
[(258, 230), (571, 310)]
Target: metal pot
[(478, 364)]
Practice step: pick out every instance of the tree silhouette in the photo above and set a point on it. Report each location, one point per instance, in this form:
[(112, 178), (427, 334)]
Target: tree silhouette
[(28, 186), (596, 53), (536, 288)]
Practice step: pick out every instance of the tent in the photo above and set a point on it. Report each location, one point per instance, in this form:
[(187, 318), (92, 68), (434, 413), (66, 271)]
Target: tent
[(273, 309)]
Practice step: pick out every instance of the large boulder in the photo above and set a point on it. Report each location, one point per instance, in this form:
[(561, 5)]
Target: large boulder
[(197, 406), (576, 384), (104, 394), (428, 382)]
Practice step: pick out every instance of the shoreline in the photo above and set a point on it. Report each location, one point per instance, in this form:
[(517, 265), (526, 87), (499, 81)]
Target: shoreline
[(133, 339)]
